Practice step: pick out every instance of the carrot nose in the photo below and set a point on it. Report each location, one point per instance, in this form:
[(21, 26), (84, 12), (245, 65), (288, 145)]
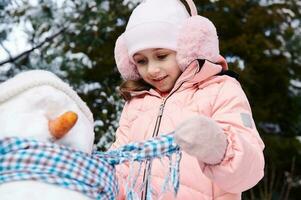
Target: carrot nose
[(62, 124)]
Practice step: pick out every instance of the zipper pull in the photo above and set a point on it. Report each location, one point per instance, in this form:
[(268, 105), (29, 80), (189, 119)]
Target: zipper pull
[(161, 108)]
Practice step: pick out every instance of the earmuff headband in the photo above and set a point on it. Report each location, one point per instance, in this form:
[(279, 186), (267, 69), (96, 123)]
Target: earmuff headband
[(192, 7)]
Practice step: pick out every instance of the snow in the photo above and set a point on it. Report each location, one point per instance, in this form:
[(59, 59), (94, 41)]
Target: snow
[(236, 59), (16, 43)]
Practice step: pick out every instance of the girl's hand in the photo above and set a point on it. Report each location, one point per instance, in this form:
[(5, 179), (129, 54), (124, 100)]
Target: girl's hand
[(202, 137)]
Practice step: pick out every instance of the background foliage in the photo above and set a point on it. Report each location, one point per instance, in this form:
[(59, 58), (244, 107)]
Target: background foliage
[(261, 40)]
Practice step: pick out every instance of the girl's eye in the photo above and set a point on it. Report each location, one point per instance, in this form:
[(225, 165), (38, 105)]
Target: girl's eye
[(162, 56), (141, 62)]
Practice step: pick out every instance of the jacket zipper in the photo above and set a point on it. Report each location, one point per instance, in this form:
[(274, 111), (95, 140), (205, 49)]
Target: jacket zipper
[(155, 134)]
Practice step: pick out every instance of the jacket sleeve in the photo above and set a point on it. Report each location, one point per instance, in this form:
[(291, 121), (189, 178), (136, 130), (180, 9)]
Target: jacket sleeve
[(122, 138), (243, 163)]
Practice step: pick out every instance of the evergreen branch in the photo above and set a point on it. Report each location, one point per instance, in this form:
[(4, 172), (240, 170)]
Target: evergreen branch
[(26, 53)]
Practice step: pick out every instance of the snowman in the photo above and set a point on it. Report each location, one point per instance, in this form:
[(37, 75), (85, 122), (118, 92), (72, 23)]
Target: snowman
[(46, 145), (37, 105)]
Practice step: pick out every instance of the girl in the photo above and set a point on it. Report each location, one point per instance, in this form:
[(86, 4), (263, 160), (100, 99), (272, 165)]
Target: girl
[(175, 79)]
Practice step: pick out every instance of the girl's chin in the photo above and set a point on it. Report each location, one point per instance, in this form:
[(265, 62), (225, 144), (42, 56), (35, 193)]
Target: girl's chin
[(163, 93)]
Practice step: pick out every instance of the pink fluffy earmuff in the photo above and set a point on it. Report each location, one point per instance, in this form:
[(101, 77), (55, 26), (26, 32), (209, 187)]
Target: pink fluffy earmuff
[(197, 39)]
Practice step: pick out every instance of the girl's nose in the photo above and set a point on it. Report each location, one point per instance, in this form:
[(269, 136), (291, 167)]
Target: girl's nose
[(153, 70)]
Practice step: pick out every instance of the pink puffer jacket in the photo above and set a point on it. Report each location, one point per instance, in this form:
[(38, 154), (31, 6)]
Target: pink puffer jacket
[(199, 92)]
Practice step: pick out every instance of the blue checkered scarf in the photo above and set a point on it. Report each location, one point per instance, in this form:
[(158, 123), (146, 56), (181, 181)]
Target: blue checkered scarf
[(92, 175)]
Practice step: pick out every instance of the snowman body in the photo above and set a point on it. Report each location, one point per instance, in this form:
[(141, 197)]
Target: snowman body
[(27, 103), (33, 190)]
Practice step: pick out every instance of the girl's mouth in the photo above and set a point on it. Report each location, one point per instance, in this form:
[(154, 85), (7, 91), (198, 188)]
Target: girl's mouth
[(159, 79)]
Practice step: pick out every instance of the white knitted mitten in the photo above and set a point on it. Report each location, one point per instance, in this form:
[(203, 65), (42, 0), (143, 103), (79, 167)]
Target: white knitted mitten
[(202, 137)]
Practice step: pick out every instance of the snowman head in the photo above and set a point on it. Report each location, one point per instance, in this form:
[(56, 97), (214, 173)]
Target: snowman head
[(37, 104)]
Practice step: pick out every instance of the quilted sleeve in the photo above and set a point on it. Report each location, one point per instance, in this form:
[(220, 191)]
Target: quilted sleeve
[(243, 163)]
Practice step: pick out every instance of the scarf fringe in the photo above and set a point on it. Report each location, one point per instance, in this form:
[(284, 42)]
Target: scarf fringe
[(171, 179)]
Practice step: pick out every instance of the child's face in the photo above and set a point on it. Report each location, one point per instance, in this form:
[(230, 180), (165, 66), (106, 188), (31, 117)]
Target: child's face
[(158, 67)]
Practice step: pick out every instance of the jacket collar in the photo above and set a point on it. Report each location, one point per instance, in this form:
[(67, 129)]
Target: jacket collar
[(196, 73)]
